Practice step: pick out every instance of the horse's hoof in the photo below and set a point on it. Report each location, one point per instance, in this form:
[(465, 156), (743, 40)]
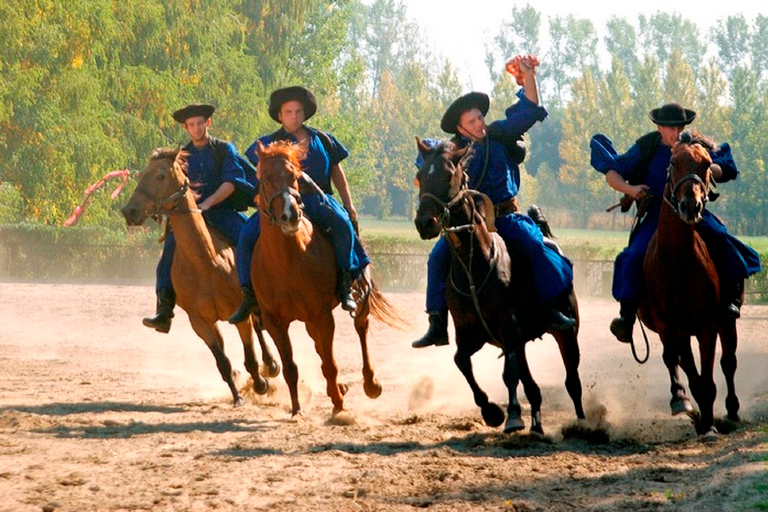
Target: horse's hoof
[(342, 418), (680, 406), (274, 369), (239, 401), (261, 386), (710, 435), (372, 388), (493, 415), (514, 425)]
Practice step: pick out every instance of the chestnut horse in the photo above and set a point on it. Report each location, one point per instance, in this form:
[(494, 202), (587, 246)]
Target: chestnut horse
[(203, 271), (296, 272), (487, 292), (683, 289)]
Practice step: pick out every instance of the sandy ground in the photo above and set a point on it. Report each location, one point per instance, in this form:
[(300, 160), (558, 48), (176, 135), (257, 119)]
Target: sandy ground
[(98, 413)]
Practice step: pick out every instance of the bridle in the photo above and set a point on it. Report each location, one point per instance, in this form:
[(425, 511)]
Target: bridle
[(288, 189), (444, 220), (671, 198), (159, 203)]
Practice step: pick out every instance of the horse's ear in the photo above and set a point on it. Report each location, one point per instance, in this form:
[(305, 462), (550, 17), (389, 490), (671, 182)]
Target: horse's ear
[(260, 149), (458, 154), (423, 148)]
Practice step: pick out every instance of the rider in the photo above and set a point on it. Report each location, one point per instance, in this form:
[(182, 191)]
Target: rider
[(215, 173), (292, 107), (641, 173), (494, 170)]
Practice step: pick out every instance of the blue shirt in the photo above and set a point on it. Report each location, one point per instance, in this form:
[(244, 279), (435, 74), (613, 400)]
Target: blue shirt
[(318, 161), (604, 158), (500, 178), (205, 178)]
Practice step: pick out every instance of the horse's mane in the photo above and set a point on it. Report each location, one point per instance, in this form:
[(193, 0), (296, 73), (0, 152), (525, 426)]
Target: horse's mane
[(285, 149), (699, 145), (178, 157), (163, 153)]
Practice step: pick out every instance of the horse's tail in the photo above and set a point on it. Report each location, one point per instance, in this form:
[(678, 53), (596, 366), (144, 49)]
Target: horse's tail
[(383, 310), (535, 213)]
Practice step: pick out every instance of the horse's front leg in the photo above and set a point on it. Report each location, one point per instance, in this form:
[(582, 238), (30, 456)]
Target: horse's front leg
[(707, 386), (511, 375), (211, 335), (279, 334), (531, 389), (260, 384), (728, 363), (466, 347), (679, 403), (321, 329), (273, 367)]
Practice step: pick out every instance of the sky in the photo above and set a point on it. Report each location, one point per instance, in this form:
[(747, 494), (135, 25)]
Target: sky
[(461, 29)]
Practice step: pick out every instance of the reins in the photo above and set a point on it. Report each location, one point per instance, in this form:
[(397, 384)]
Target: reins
[(463, 195), (672, 200), (174, 198)]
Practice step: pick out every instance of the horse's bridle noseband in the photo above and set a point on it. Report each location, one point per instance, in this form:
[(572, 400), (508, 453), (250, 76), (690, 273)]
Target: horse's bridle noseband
[(672, 201), (292, 191), (174, 198)]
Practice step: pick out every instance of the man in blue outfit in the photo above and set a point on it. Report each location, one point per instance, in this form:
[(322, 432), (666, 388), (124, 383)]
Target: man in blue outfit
[(494, 170), (215, 173), (292, 107), (641, 174)]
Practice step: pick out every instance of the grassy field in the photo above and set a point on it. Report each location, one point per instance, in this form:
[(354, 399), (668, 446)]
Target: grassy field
[(600, 243)]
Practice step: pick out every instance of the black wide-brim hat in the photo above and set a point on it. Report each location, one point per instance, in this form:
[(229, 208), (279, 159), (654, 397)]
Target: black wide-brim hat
[(194, 110), (672, 114), (293, 93), (451, 118)]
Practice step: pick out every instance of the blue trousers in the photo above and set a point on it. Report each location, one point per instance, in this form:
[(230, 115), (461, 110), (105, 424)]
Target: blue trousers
[(327, 214), (228, 222), (734, 260), (552, 273)]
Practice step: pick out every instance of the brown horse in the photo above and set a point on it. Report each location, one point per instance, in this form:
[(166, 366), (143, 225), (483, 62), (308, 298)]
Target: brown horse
[(296, 272), (487, 289), (683, 289), (203, 271)]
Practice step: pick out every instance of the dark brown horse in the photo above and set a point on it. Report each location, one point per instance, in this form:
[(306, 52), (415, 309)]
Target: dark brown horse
[(486, 293), (296, 272), (683, 289), (203, 271)]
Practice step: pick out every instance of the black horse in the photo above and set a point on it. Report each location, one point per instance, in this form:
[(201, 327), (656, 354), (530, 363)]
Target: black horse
[(488, 302)]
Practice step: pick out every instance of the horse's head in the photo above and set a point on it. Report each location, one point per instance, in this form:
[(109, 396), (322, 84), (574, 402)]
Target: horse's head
[(689, 177), (440, 179), (162, 185), (279, 170)]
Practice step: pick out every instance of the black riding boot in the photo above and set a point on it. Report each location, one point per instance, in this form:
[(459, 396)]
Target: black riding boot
[(249, 306), (558, 318), (622, 327), (343, 291), (437, 334), (732, 295), (161, 322)]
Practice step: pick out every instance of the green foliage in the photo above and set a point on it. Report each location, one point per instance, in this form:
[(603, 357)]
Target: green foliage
[(89, 87)]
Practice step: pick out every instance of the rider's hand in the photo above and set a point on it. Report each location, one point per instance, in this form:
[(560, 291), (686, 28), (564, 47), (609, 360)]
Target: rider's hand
[(522, 65), (638, 192)]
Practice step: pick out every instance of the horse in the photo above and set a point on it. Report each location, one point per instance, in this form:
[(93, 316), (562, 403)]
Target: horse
[(683, 289), (485, 291), (203, 272), (296, 272)]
